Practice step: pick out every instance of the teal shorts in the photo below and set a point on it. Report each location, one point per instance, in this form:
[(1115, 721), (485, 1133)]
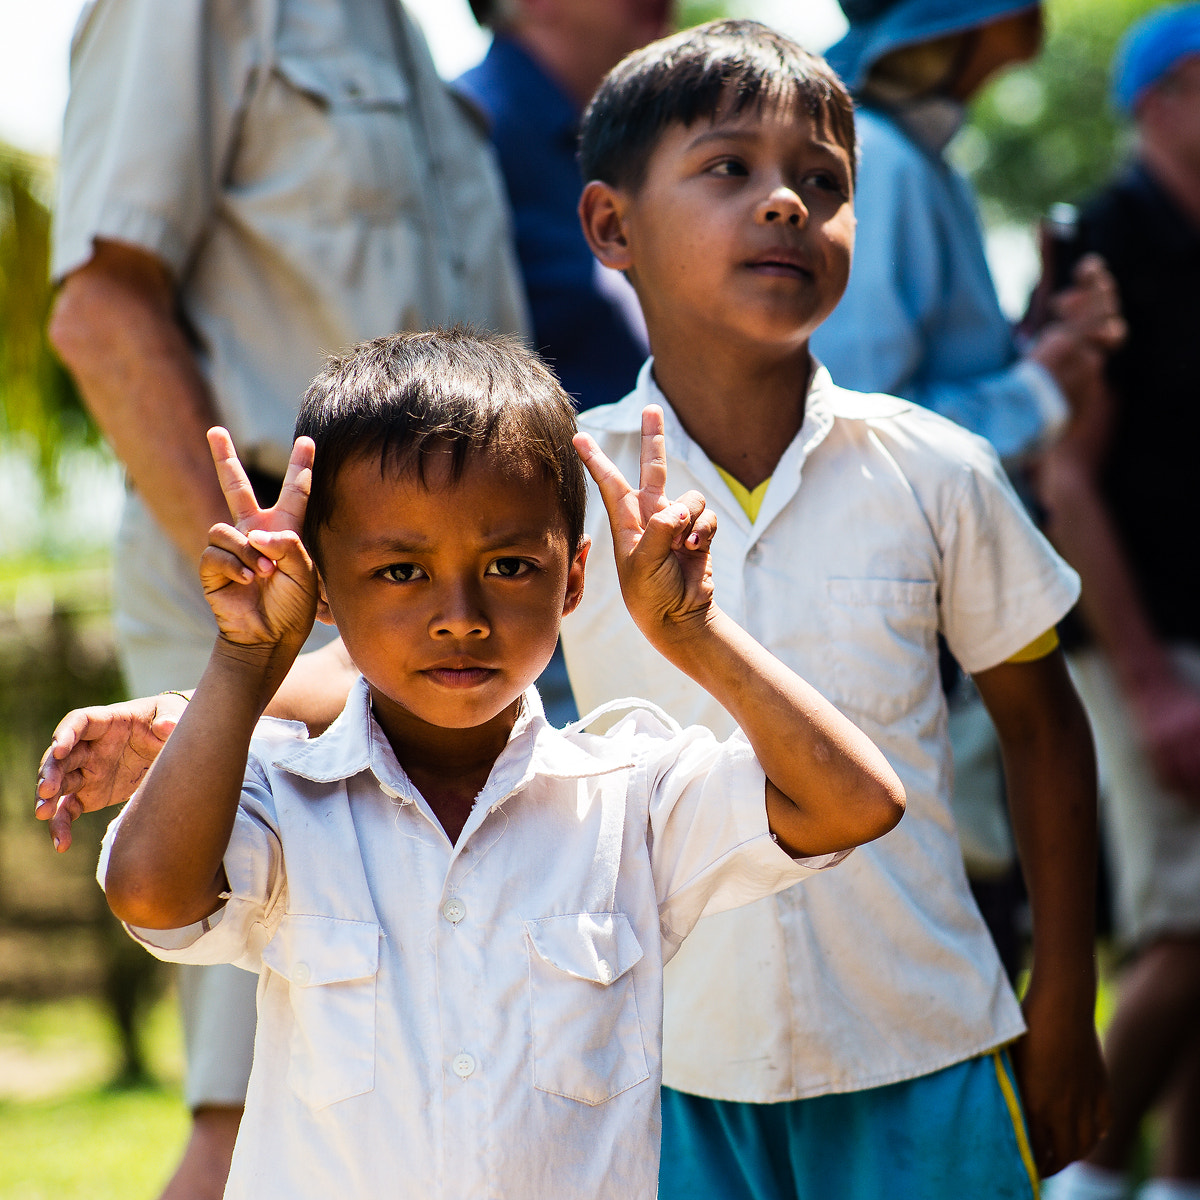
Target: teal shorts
[(957, 1134)]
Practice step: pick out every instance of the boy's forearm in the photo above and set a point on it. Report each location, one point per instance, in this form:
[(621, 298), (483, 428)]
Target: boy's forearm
[(829, 786), (1050, 771), (165, 868)]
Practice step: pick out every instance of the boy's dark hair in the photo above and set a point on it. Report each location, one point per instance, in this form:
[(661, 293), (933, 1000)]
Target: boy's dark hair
[(722, 66), (404, 397)]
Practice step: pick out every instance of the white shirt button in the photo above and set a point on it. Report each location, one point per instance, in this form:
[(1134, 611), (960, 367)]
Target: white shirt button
[(301, 974), (464, 1065), (454, 910), (606, 971)]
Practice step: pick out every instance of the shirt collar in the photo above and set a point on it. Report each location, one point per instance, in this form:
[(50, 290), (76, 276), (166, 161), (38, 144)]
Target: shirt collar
[(931, 121), (355, 743), (626, 416)]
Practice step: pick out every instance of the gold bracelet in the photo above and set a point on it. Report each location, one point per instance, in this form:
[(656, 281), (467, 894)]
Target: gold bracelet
[(171, 692)]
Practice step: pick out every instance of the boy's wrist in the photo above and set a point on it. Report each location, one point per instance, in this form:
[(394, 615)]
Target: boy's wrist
[(681, 640), (259, 667)]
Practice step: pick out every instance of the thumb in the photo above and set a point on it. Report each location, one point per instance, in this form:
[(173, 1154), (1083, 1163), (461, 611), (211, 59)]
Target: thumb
[(664, 530)]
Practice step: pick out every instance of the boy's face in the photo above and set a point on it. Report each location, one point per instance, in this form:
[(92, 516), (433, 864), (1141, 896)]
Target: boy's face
[(448, 595), (742, 230)]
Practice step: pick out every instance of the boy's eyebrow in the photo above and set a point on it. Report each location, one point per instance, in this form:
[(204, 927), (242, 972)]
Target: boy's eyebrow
[(415, 543), (748, 133), (723, 133)]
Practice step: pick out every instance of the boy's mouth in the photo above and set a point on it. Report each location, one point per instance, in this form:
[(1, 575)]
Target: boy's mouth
[(782, 261), (459, 676)]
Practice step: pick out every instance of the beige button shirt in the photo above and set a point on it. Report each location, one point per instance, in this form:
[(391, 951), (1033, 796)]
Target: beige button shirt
[(303, 172), (484, 1019), (883, 525)]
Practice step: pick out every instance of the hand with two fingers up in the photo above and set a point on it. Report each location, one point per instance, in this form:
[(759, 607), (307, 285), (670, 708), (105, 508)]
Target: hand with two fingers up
[(661, 546), (260, 583)]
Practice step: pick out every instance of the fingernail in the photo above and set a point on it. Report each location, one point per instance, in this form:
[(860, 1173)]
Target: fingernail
[(56, 843)]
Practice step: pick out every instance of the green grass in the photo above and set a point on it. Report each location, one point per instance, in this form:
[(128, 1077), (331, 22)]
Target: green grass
[(66, 1133), (99, 1144)]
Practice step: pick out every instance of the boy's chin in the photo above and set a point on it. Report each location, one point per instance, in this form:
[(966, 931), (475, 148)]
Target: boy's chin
[(467, 710)]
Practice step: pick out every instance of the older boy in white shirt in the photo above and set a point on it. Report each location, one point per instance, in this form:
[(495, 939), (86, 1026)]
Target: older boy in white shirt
[(855, 529)]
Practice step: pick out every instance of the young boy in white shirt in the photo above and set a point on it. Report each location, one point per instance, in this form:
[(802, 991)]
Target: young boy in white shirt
[(461, 914), (855, 529)]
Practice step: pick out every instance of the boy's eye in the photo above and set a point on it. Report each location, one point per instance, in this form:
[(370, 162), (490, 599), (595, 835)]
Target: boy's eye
[(508, 568), (826, 181), (402, 572), (729, 167)]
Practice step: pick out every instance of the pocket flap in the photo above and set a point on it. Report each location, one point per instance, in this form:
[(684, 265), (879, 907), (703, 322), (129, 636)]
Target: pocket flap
[(346, 80), (308, 950), (598, 947)]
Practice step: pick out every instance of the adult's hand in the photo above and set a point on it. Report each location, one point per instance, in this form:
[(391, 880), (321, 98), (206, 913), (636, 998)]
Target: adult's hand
[(98, 756)]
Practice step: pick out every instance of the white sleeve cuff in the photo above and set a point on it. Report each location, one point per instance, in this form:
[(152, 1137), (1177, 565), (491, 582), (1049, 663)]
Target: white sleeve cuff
[(1047, 395)]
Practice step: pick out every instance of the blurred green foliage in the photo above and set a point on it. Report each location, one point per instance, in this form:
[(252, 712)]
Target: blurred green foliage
[(39, 408), (1045, 132), (692, 12)]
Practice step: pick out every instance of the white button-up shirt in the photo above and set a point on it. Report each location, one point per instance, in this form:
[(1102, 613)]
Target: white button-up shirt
[(883, 525), (303, 172), (481, 1019)]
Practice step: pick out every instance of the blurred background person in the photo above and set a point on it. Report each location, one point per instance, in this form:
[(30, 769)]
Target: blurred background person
[(921, 319), (546, 59), (1123, 506), (243, 190)]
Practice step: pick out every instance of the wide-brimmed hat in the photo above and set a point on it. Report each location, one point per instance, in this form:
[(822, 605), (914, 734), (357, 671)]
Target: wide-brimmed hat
[(1150, 49), (877, 27)]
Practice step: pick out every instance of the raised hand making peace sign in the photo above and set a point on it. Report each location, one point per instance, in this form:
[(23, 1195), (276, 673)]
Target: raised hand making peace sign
[(661, 546), (257, 576)]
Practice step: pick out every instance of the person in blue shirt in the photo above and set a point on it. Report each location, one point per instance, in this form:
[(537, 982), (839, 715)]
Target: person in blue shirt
[(544, 62), (920, 317)]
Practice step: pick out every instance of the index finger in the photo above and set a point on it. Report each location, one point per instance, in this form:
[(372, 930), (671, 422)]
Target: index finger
[(614, 487), (235, 485), (652, 479)]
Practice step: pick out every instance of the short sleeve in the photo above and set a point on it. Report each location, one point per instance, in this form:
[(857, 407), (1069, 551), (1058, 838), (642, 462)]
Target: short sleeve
[(238, 930), (711, 848), (1003, 584), (157, 87)]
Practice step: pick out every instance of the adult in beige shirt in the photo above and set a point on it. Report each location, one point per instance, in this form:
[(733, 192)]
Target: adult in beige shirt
[(245, 187)]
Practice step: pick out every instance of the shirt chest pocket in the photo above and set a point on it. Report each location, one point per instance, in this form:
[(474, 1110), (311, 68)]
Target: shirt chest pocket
[(331, 967), (587, 1032), (334, 133), (882, 645)]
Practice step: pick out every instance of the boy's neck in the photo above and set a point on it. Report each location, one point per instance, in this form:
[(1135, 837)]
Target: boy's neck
[(449, 767), (743, 411)]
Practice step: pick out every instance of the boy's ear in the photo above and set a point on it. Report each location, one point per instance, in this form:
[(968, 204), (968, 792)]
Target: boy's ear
[(324, 614), (602, 213), (575, 577)]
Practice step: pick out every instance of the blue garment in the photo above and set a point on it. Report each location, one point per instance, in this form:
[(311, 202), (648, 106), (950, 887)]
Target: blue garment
[(954, 1134), (877, 27), (920, 317), (583, 333)]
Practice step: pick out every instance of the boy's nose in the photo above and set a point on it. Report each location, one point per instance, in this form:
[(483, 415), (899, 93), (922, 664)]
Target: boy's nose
[(459, 616), (784, 205)]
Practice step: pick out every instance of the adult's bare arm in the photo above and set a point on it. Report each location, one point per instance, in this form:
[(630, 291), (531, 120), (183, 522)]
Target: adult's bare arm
[(115, 326), (98, 756), (1050, 772), (1165, 708)]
